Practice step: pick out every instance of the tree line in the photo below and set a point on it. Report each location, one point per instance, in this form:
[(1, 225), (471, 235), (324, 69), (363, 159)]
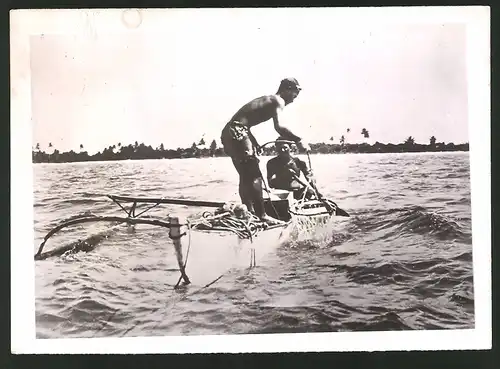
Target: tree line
[(140, 151)]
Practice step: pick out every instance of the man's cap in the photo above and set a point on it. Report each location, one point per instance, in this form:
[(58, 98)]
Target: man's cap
[(279, 141), (290, 83)]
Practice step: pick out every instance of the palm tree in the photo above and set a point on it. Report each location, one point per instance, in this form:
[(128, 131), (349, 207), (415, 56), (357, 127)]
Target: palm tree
[(81, 147), (194, 148), (432, 141), (410, 141), (365, 133), (342, 140), (50, 144), (213, 145)]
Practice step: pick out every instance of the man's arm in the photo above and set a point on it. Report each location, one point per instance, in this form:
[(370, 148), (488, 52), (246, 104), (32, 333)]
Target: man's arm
[(307, 174), (271, 171), (304, 169), (254, 141), (286, 132)]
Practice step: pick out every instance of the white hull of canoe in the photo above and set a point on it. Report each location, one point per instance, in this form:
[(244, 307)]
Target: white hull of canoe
[(214, 253)]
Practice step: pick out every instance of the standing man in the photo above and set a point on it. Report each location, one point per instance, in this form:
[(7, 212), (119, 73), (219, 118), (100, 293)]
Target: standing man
[(240, 144)]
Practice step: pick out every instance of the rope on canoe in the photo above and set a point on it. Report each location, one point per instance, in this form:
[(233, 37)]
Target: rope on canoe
[(242, 223)]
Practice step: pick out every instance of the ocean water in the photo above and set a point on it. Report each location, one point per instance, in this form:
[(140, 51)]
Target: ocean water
[(402, 261)]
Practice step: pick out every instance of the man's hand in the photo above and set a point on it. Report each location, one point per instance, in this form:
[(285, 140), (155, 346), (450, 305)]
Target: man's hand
[(256, 146), (311, 180)]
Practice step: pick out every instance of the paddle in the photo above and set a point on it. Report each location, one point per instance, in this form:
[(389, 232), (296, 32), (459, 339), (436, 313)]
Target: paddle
[(339, 211)]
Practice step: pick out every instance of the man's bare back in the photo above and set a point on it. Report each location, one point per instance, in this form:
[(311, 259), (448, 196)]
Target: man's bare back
[(259, 110)]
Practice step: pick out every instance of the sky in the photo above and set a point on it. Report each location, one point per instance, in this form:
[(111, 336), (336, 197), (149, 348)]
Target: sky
[(186, 79)]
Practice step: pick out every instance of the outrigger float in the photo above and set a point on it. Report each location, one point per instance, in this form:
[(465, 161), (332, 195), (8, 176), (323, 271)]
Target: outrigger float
[(225, 238)]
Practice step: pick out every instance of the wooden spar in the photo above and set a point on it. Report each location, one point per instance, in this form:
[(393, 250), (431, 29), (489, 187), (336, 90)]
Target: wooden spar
[(175, 235), (94, 218), (163, 200)]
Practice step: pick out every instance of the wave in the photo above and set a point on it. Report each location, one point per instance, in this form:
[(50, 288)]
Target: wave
[(81, 201), (413, 220), (49, 318), (47, 200), (386, 273), (340, 317), (90, 305), (466, 256), (388, 321), (459, 173), (463, 300), (88, 310), (437, 287), (460, 201), (424, 279), (423, 222)]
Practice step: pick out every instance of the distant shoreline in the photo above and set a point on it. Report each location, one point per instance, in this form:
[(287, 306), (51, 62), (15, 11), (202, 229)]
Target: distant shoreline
[(143, 152)]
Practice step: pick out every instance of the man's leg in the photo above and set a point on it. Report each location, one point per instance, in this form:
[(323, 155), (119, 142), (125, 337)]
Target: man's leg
[(257, 198), (245, 196), (247, 165), (253, 179), (234, 148), (250, 186), (238, 146)]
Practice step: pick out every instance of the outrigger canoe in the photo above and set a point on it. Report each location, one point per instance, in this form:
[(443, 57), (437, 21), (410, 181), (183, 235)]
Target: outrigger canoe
[(211, 243)]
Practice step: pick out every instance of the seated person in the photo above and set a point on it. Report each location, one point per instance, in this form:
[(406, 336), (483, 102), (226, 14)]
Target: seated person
[(284, 169)]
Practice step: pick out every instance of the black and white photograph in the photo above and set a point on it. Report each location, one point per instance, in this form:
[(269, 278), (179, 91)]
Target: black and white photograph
[(250, 180)]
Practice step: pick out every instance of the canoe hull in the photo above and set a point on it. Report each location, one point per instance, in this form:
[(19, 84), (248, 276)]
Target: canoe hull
[(210, 254)]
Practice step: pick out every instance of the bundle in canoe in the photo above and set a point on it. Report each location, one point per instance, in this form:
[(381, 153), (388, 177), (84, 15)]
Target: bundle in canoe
[(225, 227)]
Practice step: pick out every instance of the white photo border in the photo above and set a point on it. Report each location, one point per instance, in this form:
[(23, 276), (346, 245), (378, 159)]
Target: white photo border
[(25, 23)]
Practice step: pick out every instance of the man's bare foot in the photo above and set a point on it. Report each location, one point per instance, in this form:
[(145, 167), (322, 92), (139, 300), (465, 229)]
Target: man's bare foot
[(271, 221)]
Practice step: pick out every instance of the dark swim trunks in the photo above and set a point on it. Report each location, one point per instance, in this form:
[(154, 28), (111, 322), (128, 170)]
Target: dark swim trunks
[(235, 138)]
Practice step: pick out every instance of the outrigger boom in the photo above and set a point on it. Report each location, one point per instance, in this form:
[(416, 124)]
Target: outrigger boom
[(163, 200)]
